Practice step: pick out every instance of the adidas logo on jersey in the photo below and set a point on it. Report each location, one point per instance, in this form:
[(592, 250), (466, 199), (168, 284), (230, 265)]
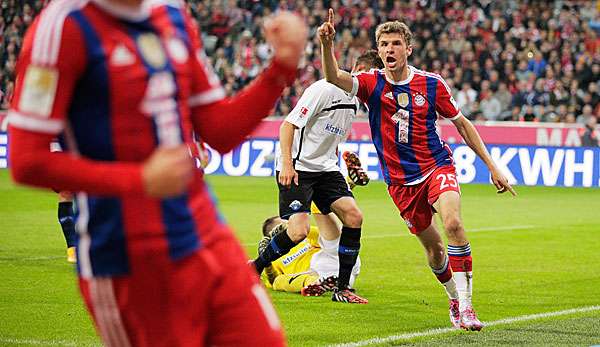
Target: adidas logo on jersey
[(389, 95), (121, 56)]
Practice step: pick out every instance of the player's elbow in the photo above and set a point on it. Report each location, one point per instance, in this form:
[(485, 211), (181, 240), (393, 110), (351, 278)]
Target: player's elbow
[(331, 76), (24, 170), (219, 140), (222, 147)]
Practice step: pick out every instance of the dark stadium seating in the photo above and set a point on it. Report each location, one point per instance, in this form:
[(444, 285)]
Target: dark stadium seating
[(505, 60)]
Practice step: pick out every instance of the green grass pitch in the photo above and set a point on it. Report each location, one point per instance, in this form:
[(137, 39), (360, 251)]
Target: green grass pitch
[(536, 253)]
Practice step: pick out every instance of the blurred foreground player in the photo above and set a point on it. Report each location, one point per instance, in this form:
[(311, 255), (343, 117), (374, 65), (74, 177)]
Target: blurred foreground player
[(124, 84), (404, 104)]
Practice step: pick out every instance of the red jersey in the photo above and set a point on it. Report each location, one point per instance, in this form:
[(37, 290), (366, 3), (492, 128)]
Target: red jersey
[(114, 85), (402, 117)]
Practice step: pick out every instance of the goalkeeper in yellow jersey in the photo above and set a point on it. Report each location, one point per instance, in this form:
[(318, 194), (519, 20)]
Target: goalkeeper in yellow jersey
[(311, 267)]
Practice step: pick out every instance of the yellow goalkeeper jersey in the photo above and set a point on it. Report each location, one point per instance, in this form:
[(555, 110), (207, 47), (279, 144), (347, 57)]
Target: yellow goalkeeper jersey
[(297, 260)]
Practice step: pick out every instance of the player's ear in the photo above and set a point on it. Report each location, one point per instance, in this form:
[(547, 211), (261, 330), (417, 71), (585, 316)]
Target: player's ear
[(409, 50)]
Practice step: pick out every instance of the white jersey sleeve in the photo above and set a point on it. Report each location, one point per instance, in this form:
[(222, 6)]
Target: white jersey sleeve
[(312, 102)]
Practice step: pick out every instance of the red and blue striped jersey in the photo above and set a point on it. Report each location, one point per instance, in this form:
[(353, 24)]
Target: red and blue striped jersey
[(114, 85), (402, 117)]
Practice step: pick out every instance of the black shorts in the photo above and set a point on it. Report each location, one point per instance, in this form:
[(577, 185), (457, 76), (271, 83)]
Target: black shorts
[(322, 188)]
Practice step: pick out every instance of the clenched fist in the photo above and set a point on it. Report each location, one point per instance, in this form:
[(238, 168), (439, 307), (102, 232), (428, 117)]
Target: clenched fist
[(286, 33), (168, 172)]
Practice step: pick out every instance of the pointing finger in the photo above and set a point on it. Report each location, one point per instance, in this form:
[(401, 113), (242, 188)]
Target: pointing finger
[(330, 16)]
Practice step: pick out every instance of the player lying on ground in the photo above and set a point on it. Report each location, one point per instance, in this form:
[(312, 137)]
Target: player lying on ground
[(311, 267), (404, 103)]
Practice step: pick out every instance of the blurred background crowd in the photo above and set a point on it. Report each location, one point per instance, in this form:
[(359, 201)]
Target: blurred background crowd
[(505, 60)]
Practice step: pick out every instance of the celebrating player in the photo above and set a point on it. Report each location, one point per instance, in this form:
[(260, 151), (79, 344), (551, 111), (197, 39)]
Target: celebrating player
[(124, 83), (308, 171), (404, 104)]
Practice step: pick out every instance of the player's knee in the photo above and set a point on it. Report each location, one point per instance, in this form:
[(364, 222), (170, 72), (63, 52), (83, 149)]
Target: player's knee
[(353, 218), (453, 226), (298, 229)]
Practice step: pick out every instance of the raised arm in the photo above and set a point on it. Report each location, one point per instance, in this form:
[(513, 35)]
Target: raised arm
[(332, 72)]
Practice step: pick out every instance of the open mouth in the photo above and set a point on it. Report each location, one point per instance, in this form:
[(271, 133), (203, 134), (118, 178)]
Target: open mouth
[(390, 60)]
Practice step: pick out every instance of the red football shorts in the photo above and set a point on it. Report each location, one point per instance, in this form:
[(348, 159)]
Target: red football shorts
[(211, 298), (415, 201)]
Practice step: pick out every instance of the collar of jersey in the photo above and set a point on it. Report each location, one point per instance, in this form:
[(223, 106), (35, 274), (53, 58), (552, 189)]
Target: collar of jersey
[(411, 73), (125, 12)]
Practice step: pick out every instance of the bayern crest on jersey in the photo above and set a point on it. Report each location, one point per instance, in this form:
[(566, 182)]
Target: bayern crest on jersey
[(419, 100)]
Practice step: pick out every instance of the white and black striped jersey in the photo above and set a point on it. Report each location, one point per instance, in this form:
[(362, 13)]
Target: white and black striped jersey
[(324, 116)]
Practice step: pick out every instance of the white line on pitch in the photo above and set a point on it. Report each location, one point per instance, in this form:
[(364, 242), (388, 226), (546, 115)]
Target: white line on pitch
[(37, 342), (34, 342), (440, 331), (15, 258)]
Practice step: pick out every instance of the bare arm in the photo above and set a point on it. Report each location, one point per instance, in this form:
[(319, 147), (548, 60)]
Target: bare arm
[(332, 72), (469, 133), (286, 138)]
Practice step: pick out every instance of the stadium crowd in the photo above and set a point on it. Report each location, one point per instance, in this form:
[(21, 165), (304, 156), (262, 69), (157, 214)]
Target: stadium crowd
[(504, 60)]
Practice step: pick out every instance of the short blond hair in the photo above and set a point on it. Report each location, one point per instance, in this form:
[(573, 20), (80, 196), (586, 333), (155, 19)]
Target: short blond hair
[(394, 27)]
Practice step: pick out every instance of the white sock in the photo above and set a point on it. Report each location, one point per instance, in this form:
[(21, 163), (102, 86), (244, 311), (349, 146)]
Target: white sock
[(464, 286), (450, 287)]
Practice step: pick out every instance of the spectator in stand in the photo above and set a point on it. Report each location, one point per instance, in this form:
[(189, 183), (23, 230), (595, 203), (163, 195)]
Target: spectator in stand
[(490, 107), (520, 96), (529, 114), (590, 135), (504, 97), (537, 64), (515, 114), (570, 119), (585, 115), (465, 97), (538, 96)]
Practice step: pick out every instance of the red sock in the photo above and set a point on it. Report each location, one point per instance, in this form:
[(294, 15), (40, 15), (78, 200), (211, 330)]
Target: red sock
[(444, 274), (460, 258), (461, 263)]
